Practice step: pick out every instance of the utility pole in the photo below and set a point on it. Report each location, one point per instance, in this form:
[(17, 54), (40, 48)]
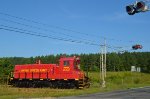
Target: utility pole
[(103, 76), (103, 64), (105, 69), (100, 66)]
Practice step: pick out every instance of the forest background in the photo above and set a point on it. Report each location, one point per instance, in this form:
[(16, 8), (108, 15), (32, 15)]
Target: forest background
[(90, 62)]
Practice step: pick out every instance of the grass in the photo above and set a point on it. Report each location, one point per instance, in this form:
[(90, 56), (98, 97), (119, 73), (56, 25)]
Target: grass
[(13, 93), (114, 81)]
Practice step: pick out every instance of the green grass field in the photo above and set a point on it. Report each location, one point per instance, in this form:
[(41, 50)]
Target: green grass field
[(114, 81)]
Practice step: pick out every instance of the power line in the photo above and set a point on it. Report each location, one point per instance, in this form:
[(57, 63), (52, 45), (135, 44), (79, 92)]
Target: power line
[(77, 41), (51, 26), (27, 32), (10, 21), (58, 27), (22, 31)]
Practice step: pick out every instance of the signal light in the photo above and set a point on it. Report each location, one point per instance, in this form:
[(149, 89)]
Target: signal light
[(130, 9), (140, 6)]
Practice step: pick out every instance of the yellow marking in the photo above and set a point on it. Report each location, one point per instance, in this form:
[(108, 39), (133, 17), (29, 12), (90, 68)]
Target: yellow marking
[(30, 79), (53, 79), (11, 78), (66, 69), (33, 70), (43, 70), (41, 79), (76, 79), (65, 79), (25, 70), (80, 87)]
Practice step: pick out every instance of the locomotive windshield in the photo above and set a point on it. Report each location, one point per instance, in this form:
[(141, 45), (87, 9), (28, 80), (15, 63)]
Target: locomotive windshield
[(66, 63)]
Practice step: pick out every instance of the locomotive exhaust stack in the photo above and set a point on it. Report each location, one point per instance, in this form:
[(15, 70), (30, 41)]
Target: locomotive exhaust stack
[(65, 75)]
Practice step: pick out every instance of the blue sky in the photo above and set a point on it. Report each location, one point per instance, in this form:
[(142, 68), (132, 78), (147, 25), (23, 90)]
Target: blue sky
[(80, 20)]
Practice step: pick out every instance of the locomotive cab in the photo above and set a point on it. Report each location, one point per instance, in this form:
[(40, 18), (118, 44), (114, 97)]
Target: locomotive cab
[(70, 69), (70, 64)]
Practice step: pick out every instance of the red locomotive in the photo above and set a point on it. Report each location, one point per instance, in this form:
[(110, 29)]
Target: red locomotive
[(65, 75)]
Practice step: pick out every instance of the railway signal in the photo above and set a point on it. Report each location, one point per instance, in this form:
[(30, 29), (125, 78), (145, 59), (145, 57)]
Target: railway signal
[(130, 9), (139, 6)]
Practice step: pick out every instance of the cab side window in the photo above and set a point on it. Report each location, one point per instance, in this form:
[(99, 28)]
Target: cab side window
[(66, 63)]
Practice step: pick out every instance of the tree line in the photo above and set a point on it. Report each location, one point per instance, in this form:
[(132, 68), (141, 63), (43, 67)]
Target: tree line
[(115, 61)]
